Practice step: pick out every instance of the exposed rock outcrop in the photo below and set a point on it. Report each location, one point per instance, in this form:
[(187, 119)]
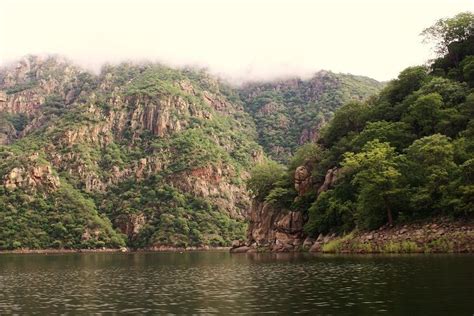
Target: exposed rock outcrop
[(26, 102), (329, 180), (130, 224), (274, 228), (281, 230), (214, 183), (302, 180), (7, 132), (32, 177), (25, 86)]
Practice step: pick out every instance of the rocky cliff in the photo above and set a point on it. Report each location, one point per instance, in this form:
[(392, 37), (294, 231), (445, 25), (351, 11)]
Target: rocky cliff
[(141, 155), (274, 228), (156, 154)]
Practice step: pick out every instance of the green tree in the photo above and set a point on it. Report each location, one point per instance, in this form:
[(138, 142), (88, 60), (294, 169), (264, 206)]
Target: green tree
[(349, 118), (264, 177), (446, 31), (377, 177), (465, 189), (408, 81), (333, 211), (424, 113), (431, 168), (398, 134), (308, 152), (452, 92), (467, 66)]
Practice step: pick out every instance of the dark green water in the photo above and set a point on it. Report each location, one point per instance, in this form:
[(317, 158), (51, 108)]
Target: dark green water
[(221, 283)]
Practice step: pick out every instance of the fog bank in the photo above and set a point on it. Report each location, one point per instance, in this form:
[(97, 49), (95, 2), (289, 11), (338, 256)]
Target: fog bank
[(238, 40)]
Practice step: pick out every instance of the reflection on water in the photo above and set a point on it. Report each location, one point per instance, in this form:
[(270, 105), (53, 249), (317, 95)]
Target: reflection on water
[(218, 282)]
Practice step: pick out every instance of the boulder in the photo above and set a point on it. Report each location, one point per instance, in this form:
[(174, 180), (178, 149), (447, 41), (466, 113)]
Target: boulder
[(271, 226), (237, 244), (308, 242), (329, 180), (242, 249), (302, 180), (316, 247)]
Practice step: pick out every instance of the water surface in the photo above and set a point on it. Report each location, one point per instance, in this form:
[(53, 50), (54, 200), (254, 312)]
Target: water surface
[(222, 283)]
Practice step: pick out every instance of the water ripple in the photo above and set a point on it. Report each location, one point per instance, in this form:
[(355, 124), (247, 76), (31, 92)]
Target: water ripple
[(220, 283)]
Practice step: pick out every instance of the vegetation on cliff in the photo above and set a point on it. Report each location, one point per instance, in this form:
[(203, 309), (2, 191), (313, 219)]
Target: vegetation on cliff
[(405, 154), (149, 156), (143, 155), (289, 113)]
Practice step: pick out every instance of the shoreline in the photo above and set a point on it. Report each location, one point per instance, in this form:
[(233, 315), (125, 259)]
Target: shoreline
[(115, 250), (440, 235), (436, 236)]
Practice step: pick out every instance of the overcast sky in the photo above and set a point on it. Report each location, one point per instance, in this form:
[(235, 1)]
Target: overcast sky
[(237, 39)]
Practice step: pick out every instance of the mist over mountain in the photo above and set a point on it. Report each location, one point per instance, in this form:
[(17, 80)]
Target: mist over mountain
[(101, 152), (209, 157), (239, 40)]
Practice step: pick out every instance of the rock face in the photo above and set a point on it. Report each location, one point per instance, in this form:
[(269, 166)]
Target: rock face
[(25, 86), (302, 180), (282, 230), (130, 224), (34, 178), (26, 102), (163, 153), (212, 183), (329, 179), (7, 132), (275, 229), (37, 175)]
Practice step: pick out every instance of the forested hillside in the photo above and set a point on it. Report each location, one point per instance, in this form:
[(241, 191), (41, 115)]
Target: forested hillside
[(147, 156), (289, 113), (140, 155), (403, 155), (143, 155)]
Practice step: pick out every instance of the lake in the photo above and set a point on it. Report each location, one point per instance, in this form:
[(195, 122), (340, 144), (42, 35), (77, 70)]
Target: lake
[(223, 283)]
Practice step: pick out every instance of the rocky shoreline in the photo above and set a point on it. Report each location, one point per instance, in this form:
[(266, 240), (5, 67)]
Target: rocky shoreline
[(441, 235), (114, 250)]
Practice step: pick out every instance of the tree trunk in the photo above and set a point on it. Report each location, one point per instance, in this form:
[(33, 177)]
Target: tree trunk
[(389, 212), (389, 215)]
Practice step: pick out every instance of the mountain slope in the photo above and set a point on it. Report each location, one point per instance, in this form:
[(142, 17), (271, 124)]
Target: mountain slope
[(289, 113), (159, 153), (402, 157), (142, 154)]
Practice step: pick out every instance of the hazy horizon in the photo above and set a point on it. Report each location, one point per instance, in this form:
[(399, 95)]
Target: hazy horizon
[(236, 40)]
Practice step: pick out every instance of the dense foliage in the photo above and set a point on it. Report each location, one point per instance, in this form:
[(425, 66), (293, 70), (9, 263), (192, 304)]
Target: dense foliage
[(124, 145), (149, 156), (289, 113), (173, 217), (406, 153)]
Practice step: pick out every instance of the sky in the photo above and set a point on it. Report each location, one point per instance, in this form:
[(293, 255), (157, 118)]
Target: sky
[(239, 40)]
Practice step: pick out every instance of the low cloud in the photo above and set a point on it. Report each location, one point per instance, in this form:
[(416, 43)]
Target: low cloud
[(238, 40)]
